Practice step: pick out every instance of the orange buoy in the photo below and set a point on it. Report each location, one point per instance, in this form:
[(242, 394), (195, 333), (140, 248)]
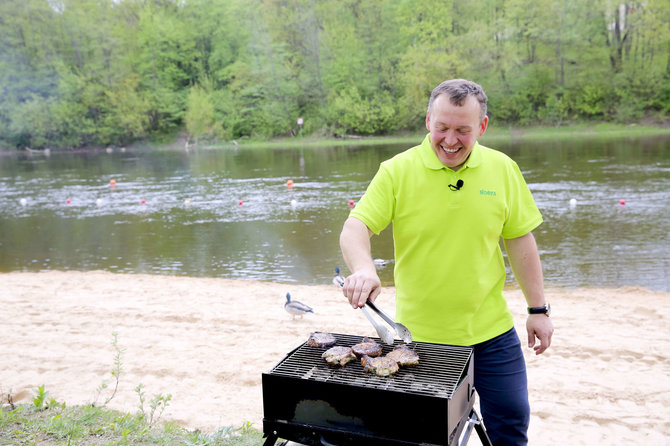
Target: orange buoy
[(112, 182), (289, 184)]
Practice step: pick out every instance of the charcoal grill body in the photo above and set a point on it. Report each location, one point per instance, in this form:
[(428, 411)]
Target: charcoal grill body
[(309, 402)]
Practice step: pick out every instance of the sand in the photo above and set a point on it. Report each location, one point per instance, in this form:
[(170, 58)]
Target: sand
[(605, 380)]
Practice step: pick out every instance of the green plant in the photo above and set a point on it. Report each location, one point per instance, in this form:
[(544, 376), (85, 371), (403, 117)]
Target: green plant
[(156, 406), (40, 400), (116, 371)]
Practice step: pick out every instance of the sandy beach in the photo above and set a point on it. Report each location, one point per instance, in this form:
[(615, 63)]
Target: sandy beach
[(605, 380)]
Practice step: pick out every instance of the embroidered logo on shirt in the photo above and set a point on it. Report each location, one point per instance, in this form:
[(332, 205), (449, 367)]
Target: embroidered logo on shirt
[(487, 192)]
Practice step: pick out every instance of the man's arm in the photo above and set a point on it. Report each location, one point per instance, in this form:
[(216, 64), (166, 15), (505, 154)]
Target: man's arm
[(525, 261), (363, 283)]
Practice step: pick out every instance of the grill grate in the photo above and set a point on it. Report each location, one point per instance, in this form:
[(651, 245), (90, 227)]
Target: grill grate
[(441, 368)]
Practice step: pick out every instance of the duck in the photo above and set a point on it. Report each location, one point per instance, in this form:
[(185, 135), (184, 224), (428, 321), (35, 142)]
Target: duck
[(338, 280), (295, 308)]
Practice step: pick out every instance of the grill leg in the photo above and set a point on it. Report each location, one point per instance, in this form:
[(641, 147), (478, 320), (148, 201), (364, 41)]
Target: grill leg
[(271, 440), (476, 422)]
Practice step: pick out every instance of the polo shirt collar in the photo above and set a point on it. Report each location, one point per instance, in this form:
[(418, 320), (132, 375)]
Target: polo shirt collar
[(431, 161)]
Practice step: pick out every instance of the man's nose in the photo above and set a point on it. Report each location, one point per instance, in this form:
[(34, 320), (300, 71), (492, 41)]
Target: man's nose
[(450, 137)]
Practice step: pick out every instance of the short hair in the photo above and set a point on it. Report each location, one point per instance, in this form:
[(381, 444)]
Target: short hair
[(458, 91)]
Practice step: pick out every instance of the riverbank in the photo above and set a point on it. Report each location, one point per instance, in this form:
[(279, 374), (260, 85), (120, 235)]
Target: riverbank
[(207, 341), (494, 135)]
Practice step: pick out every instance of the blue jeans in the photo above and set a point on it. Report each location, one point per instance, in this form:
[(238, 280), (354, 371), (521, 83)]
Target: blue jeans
[(502, 385)]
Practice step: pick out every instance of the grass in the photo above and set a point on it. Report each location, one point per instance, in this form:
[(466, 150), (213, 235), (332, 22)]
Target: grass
[(90, 425), (49, 422), (580, 132), (493, 135)]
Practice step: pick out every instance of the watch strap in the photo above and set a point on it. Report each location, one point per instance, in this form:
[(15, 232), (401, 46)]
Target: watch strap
[(539, 310)]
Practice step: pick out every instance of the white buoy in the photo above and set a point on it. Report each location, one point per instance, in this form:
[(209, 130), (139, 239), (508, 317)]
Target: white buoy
[(187, 202), (23, 201), (294, 203), (573, 202), (98, 202)]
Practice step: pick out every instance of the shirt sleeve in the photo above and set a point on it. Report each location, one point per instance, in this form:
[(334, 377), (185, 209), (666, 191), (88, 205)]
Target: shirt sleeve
[(522, 213), (377, 206)]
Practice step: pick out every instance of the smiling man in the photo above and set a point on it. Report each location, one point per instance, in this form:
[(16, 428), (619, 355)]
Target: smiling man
[(450, 201)]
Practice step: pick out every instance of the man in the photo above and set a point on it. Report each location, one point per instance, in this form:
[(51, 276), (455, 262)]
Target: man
[(450, 200)]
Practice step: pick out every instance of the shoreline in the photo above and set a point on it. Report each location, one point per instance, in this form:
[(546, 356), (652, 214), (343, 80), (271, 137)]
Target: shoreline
[(494, 135), (206, 341)]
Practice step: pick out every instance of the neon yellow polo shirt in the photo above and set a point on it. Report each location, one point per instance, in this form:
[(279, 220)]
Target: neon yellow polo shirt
[(449, 269)]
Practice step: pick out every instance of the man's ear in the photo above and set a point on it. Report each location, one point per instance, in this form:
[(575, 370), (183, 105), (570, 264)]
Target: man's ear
[(428, 121), (483, 125)]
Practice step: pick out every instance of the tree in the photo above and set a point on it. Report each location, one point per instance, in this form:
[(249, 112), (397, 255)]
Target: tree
[(199, 115)]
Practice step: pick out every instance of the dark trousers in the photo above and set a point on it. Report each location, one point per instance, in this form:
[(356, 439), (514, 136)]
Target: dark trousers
[(502, 386)]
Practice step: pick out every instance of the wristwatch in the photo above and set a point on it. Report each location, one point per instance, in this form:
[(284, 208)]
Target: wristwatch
[(546, 310)]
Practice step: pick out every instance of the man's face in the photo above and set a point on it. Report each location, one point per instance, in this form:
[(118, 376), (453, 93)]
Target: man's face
[(454, 129)]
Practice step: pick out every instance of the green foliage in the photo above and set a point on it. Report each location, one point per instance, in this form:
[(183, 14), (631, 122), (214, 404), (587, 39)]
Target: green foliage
[(156, 406), (39, 402), (199, 115), (116, 372), (47, 422), (352, 113), (58, 425), (79, 73)]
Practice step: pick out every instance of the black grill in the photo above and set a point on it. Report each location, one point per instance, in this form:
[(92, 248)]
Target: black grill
[(307, 401)]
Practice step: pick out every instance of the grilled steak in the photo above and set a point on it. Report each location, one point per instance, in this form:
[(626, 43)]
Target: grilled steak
[(381, 366), (404, 356), (321, 339), (367, 347), (338, 355)]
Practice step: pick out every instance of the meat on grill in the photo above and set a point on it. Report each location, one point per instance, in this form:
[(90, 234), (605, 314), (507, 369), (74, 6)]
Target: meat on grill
[(404, 356), (321, 339), (338, 355), (367, 347), (380, 366)]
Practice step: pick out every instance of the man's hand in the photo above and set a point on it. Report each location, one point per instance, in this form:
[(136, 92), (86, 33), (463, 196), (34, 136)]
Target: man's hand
[(360, 287), (539, 326)]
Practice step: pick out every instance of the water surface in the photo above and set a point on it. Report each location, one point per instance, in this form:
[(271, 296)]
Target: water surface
[(191, 221)]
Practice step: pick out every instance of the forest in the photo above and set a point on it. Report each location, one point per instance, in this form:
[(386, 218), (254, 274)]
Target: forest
[(95, 73)]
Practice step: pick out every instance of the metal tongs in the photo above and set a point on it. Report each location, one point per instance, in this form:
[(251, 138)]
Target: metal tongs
[(383, 332)]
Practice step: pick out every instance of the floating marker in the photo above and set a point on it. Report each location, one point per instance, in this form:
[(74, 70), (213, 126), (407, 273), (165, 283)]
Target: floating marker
[(289, 184), (351, 203), (294, 203), (573, 202), (98, 202), (23, 201), (68, 201), (112, 182), (187, 202), (240, 202), (622, 202), (143, 201)]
